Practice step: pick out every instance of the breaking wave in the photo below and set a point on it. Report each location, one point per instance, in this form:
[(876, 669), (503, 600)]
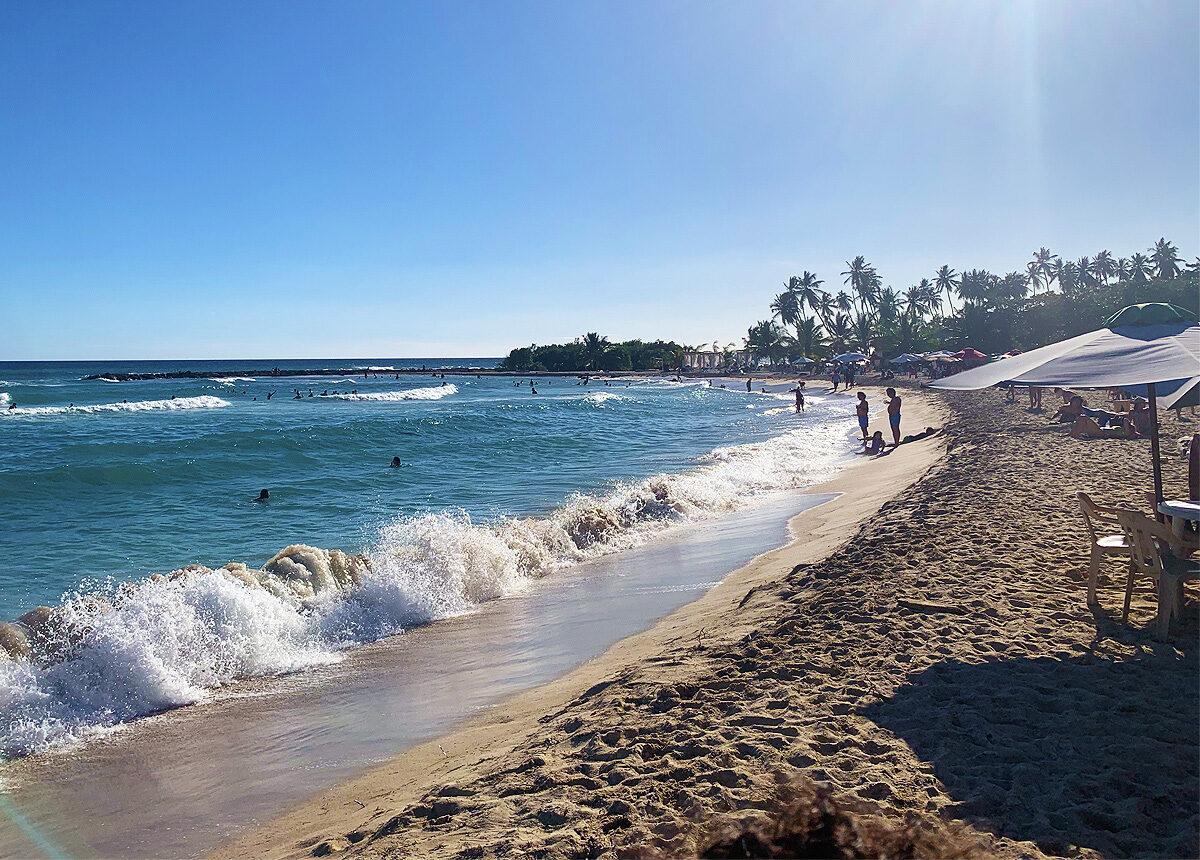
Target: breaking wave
[(4, 399), (599, 398), (205, 401), (433, 393), (125, 650)]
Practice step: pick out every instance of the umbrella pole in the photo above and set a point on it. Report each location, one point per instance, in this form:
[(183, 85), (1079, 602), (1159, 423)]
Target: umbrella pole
[(1155, 454)]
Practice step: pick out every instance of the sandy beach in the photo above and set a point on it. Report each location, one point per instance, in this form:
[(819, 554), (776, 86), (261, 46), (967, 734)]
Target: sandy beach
[(924, 649)]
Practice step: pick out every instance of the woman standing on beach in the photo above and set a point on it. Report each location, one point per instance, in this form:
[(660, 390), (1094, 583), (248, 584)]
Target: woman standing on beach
[(863, 409)]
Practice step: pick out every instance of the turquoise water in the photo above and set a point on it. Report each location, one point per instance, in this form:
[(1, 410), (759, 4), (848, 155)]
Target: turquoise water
[(104, 484)]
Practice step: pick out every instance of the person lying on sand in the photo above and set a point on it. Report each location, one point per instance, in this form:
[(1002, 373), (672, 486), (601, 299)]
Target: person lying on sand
[(924, 434), (1070, 410), (1087, 427)]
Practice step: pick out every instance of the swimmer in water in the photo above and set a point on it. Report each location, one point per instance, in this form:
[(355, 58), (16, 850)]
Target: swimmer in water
[(263, 496), (396, 463)]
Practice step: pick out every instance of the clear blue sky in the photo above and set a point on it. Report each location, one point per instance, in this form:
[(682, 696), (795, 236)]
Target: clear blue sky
[(295, 179)]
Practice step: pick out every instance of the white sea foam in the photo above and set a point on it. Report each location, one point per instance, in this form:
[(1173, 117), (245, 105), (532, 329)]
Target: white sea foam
[(102, 659), (180, 403), (433, 393), (4, 399), (232, 379), (599, 398)]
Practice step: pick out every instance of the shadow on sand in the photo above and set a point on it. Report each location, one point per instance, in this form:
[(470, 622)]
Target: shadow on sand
[(1087, 752)]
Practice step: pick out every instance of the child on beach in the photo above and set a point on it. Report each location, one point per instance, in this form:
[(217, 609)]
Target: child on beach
[(799, 391), (833, 377), (874, 445), (894, 414), (862, 409)]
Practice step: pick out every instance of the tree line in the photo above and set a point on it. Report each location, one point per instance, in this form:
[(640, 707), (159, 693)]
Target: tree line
[(1049, 299), (594, 352)]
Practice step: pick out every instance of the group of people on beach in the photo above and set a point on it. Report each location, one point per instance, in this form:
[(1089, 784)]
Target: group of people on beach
[(874, 443)]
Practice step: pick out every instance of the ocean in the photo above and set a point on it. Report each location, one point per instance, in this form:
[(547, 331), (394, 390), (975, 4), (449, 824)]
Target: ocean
[(121, 501)]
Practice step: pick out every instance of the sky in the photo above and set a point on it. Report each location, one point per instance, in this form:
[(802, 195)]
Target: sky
[(384, 179)]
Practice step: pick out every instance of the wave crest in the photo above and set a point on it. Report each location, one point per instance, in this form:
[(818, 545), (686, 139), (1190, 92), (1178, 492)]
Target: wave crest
[(436, 392), (205, 401)]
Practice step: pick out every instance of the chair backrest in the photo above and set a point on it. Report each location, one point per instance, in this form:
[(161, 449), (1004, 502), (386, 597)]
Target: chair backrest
[(1145, 536), (1094, 514)]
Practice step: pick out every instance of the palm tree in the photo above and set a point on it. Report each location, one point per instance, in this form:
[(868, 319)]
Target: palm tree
[(1103, 266), (1166, 259), (864, 328), (1046, 264), (974, 285), (825, 308), (1123, 268), (594, 346), (843, 302), (1067, 274), (1084, 265), (864, 283), (1034, 273), (764, 338), (808, 290), (786, 307), (809, 336), (946, 282), (840, 333), (1139, 268)]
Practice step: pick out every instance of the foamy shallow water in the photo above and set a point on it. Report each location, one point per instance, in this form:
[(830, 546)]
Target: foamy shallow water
[(499, 489), (180, 783)]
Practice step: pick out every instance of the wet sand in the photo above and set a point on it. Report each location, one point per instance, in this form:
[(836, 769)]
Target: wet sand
[(925, 650), (179, 783)]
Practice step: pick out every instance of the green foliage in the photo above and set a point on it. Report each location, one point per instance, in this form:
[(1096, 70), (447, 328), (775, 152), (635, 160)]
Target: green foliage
[(593, 352)]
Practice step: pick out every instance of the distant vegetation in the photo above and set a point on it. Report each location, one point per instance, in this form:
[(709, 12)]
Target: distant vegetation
[(1048, 300), (592, 352)]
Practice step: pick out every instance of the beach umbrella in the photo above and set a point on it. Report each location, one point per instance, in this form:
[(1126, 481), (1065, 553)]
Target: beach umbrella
[(970, 354), (802, 359), (849, 357), (1144, 344), (933, 356), (906, 358)]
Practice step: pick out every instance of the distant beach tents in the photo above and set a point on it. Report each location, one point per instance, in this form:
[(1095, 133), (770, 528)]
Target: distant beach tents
[(1141, 345), (906, 358), (849, 358)]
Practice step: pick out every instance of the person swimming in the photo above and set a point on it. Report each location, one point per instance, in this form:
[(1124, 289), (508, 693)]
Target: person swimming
[(396, 463), (263, 496)]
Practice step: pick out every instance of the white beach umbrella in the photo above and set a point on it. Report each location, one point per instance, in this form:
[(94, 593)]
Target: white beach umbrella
[(1140, 345), (849, 357)]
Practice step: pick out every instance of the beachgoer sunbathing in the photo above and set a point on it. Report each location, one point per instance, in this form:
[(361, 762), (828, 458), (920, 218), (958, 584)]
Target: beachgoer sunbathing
[(1087, 427), (1069, 411)]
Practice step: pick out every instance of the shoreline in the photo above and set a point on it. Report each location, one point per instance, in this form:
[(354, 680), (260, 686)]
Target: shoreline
[(460, 754)]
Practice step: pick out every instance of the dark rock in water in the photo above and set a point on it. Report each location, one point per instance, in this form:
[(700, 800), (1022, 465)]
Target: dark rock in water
[(14, 644), (37, 618)]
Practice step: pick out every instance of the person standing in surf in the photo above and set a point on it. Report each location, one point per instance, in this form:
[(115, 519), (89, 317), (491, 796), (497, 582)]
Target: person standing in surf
[(894, 415), (863, 409)]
